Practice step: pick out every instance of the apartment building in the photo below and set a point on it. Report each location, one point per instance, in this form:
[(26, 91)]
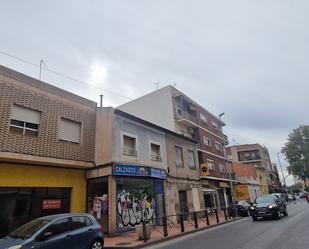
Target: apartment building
[(257, 155), (173, 110), (47, 140)]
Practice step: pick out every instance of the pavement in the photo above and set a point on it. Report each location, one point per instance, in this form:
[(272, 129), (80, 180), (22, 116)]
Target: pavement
[(129, 240), (290, 232)]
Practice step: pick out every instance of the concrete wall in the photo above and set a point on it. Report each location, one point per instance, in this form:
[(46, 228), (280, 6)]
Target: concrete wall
[(155, 107), (144, 135)]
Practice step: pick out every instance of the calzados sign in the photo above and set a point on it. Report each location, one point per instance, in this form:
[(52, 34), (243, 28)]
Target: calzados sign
[(51, 204)]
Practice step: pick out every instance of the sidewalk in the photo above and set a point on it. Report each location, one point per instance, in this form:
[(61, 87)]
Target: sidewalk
[(129, 240)]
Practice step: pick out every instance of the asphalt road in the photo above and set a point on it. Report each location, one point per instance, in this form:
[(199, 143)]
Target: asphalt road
[(290, 232)]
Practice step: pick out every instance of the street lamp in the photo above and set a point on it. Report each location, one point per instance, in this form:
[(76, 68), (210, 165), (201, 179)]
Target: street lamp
[(227, 160)]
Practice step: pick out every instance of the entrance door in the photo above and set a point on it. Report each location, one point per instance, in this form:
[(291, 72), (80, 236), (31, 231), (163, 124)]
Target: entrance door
[(183, 203)]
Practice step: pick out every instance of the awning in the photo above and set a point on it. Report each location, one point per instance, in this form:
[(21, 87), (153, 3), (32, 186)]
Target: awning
[(209, 190)]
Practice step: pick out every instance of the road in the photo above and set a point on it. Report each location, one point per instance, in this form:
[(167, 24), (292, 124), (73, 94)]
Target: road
[(290, 232)]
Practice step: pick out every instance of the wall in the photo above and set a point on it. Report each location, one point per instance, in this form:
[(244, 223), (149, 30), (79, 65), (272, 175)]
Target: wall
[(53, 103), (242, 192), (262, 176), (155, 107), (145, 135), (18, 175)]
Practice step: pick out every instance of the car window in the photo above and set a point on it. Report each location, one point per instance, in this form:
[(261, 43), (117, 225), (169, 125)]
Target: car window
[(88, 221), (79, 222), (29, 229), (266, 199), (58, 227)]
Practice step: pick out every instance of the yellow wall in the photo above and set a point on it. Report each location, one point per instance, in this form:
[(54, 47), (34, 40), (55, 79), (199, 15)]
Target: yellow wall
[(17, 175), (262, 177), (242, 192)]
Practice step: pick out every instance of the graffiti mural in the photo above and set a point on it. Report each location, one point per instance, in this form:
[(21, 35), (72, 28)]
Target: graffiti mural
[(132, 210)]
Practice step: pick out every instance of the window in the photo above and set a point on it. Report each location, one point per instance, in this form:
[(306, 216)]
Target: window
[(58, 227), (214, 125), (207, 141), (25, 121), (203, 118), (178, 156), (191, 159), (211, 164), (222, 168), (79, 222), (70, 131), (155, 152), (129, 146), (218, 146)]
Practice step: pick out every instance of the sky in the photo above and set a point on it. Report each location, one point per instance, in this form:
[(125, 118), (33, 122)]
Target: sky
[(248, 59)]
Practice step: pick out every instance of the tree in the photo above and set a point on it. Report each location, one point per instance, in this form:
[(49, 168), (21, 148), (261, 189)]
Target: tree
[(296, 151)]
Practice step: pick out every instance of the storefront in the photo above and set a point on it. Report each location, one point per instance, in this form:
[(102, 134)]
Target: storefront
[(140, 195), (28, 192)]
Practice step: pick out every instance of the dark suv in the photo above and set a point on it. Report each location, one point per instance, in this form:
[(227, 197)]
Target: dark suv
[(272, 205)]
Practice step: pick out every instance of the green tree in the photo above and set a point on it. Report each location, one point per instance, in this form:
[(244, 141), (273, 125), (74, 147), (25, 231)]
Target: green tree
[(296, 151)]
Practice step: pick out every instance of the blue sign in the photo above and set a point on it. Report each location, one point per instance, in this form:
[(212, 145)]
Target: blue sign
[(134, 170)]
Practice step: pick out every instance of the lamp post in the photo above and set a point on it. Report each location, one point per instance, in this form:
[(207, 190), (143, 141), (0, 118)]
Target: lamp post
[(227, 160), (281, 171)]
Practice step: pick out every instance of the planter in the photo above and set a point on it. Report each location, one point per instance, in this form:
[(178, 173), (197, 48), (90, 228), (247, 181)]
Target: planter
[(140, 233)]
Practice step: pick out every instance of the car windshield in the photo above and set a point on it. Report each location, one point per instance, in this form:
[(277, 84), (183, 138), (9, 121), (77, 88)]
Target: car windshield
[(29, 229), (266, 199)]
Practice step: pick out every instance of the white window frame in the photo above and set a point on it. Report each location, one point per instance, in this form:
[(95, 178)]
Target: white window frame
[(128, 134), (203, 118), (214, 125), (220, 146), (160, 159), (222, 168), (204, 137), (182, 159), (213, 163)]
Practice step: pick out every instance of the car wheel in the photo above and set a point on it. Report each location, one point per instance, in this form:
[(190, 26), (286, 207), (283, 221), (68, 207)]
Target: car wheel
[(277, 215), (254, 218), (97, 244), (285, 212)]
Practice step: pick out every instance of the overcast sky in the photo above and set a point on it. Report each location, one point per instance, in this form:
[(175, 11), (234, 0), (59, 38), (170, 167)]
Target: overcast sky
[(248, 59)]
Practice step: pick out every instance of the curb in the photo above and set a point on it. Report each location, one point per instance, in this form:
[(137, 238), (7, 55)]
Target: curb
[(171, 237)]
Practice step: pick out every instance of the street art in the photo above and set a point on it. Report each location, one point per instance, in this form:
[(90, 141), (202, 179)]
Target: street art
[(132, 211)]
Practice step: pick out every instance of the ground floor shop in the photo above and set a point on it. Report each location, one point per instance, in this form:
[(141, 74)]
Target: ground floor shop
[(183, 196), (28, 192), (122, 196), (217, 194)]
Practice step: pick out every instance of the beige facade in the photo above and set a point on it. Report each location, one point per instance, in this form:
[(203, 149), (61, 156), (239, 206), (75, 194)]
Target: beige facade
[(182, 180)]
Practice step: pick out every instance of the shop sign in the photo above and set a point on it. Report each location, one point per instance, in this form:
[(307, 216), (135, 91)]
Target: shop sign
[(223, 185), (204, 168), (134, 170), (51, 204)]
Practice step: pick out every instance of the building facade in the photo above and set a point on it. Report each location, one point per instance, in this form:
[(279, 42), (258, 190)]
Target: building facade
[(46, 142)]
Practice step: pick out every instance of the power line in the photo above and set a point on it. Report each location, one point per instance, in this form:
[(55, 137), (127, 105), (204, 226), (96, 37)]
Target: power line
[(62, 75)]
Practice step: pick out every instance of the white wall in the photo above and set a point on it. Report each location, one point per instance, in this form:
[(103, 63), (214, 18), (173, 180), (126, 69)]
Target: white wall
[(155, 107)]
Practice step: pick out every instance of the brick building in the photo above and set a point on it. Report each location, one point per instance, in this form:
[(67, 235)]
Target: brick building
[(47, 140)]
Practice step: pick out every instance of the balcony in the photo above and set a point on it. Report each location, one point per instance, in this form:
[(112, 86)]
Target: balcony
[(185, 118)]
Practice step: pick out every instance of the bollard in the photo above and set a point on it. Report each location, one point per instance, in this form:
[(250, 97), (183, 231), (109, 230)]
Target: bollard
[(144, 231), (217, 217), (195, 220), (225, 216), (165, 227), (207, 218), (182, 226)]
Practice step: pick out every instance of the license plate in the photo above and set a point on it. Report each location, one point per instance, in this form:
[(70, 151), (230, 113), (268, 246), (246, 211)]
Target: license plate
[(262, 212)]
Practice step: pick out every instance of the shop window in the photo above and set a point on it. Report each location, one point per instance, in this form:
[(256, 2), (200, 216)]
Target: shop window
[(25, 121), (178, 156), (218, 146), (207, 141), (191, 159), (155, 152), (70, 131), (129, 146), (211, 165)]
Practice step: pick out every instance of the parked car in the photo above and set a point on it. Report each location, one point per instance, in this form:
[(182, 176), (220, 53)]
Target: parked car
[(243, 208), (70, 231), (271, 205)]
